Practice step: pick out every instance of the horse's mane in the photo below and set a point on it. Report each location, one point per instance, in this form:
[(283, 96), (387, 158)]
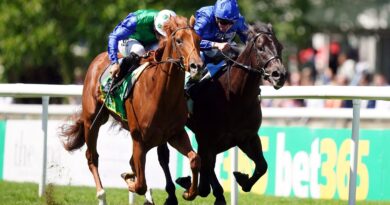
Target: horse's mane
[(260, 27)]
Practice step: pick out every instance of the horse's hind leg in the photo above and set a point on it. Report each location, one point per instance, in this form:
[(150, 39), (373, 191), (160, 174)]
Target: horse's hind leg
[(182, 143), (252, 148), (91, 135), (163, 158)]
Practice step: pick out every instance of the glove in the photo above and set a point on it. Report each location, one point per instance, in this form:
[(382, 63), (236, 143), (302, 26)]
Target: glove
[(114, 70)]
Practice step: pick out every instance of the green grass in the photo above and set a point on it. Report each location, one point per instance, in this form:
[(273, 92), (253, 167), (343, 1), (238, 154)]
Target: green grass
[(27, 194)]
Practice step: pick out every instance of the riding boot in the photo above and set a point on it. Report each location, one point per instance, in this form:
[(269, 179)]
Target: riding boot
[(128, 65)]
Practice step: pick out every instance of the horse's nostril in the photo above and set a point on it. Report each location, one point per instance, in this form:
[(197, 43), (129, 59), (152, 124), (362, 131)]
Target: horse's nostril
[(275, 75), (193, 66)]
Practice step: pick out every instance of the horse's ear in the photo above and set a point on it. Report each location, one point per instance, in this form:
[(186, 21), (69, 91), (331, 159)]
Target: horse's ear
[(250, 31), (192, 21), (269, 25)]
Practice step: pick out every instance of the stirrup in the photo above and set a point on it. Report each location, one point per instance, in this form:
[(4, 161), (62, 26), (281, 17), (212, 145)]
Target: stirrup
[(108, 86)]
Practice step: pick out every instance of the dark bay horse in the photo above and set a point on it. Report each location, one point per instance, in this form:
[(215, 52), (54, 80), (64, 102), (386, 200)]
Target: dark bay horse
[(156, 110), (227, 110)]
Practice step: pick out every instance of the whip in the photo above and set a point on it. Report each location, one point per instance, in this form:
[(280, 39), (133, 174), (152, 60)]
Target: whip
[(101, 107)]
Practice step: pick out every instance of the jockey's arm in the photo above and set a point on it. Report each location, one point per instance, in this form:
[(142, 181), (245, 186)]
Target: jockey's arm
[(122, 31), (242, 29), (201, 24)]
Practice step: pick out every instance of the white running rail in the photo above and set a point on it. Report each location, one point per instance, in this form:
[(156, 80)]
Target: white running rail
[(355, 93)]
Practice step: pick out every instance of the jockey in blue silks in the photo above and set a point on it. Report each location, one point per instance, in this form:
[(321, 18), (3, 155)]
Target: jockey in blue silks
[(217, 26)]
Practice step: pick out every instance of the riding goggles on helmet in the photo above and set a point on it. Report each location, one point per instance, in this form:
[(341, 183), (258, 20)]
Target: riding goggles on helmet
[(224, 21)]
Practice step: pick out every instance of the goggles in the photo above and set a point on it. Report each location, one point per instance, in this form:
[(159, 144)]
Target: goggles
[(224, 21)]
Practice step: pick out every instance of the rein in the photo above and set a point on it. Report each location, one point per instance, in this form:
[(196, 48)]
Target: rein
[(249, 68)]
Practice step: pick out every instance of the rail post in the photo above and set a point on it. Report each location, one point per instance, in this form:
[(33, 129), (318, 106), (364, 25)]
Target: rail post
[(233, 183), (354, 152), (45, 116)]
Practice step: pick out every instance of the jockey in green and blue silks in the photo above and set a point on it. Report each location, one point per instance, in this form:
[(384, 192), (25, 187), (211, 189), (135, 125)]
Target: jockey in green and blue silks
[(217, 26), (138, 32)]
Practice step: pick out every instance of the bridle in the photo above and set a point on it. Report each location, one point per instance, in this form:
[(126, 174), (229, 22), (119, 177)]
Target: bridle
[(179, 61), (260, 71)]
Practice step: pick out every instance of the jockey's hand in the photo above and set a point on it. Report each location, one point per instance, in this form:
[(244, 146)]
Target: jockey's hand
[(114, 70), (222, 46)]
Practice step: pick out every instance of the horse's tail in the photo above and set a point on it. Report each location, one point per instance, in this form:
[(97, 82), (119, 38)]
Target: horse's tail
[(73, 134)]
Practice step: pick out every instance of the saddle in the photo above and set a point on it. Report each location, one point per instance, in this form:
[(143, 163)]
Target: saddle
[(127, 65), (114, 92)]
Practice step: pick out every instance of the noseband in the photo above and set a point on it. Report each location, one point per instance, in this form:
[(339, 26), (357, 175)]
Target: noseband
[(261, 71)]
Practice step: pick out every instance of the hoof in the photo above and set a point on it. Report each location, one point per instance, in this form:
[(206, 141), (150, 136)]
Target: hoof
[(130, 181), (242, 180), (127, 176), (204, 191), (188, 197), (171, 201), (148, 203), (101, 196), (220, 202), (184, 182)]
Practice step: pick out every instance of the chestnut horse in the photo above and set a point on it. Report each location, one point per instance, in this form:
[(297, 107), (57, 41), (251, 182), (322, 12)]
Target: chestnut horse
[(156, 110), (227, 110)]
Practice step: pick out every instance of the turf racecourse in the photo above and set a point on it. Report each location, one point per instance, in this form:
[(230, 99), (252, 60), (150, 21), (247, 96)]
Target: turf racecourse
[(27, 194)]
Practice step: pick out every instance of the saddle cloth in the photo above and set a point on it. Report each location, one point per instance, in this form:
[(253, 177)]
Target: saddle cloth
[(115, 99)]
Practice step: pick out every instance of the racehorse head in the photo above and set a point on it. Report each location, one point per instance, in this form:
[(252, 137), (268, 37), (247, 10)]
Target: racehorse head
[(186, 45), (266, 54)]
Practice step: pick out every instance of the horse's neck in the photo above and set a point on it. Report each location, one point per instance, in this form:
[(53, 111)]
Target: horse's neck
[(170, 77), (242, 82)]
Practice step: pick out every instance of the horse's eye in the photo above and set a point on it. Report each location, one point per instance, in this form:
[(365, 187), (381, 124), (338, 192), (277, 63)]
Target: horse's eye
[(179, 41), (261, 48)]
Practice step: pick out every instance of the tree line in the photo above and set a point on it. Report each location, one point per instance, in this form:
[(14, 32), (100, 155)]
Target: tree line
[(46, 41)]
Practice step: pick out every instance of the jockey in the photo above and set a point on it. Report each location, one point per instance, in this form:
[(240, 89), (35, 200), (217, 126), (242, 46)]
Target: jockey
[(217, 26), (139, 31)]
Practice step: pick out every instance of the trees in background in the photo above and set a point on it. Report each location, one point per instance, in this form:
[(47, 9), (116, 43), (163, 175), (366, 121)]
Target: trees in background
[(45, 41)]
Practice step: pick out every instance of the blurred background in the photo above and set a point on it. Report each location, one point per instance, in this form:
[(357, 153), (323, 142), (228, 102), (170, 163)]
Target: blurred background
[(45, 41)]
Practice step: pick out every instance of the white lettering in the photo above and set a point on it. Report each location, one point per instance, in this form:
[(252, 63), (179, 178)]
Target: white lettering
[(283, 168), (301, 173), (315, 163), (297, 173)]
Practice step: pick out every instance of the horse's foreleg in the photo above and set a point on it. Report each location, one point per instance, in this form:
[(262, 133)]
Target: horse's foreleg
[(217, 190), (138, 160), (208, 177), (253, 149), (182, 143), (163, 158), (208, 163)]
